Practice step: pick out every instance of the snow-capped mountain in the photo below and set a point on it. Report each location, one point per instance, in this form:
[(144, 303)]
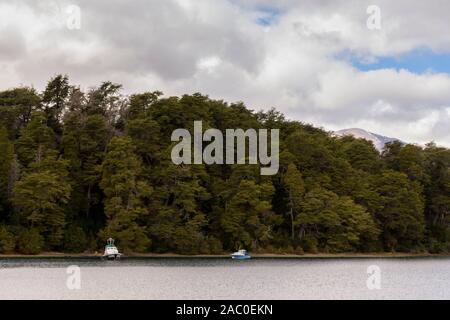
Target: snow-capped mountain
[(378, 141)]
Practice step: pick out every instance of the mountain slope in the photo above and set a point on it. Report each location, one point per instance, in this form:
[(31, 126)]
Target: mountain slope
[(378, 141)]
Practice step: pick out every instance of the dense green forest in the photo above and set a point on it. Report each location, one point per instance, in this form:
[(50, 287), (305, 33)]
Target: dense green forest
[(78, 167)]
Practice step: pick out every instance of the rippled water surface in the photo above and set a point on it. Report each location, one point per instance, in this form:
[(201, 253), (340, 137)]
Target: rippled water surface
[(184, 278)]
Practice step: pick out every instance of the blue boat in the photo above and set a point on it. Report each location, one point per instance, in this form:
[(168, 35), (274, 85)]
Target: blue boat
[(240, 255)]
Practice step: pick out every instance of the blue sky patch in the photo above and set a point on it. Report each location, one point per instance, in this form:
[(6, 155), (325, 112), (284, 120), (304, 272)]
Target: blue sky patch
[(268, 15), (416, 61)]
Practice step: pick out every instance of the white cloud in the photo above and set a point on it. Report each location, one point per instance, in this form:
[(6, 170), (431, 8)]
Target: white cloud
[(218, 48)]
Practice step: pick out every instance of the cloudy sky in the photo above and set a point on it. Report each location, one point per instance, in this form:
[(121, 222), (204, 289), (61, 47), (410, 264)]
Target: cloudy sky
[(317, 61)]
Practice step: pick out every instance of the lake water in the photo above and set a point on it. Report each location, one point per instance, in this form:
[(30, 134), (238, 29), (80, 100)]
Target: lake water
[(184, 278)]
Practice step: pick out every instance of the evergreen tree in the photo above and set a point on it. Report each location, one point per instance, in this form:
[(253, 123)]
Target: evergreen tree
[(437, 192), (177, 219), (125, 194), (105, 100), (54, 101), (36, 141), (361, 154), (333, 223), (40, 196), (16, 108), (29, 241), (84, 144), (6, 162), (399, 211), (248, 220), (295, 189), (7, 240), (76, 168)]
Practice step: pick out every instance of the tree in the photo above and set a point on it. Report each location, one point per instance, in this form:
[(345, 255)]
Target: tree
[(75, 239), (437, 192), (78, 167), (357, 230), (7, 240), (140, 104), (30, 241), (145, 133), (105, 100), (40, 196), (177, 220), (361, 154), (313, 157), (36, 141), (16, 108), (408, 159), (293, 182), (54, 101), (84, 143), (400, 211), (334, 223), (124, 196), (390, 154), (248, 220), (6, 162)]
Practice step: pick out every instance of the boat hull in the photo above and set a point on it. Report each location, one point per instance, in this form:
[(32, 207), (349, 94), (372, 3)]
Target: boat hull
[(112, 257), (236, 257)]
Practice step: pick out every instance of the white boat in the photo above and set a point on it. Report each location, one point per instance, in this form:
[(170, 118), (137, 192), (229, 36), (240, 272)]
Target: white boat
[(111, 251), (241, 255)]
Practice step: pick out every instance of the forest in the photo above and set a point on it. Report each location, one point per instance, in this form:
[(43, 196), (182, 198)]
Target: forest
[(78, 167)]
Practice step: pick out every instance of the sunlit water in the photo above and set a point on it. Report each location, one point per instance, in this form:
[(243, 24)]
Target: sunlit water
[(174, 278)]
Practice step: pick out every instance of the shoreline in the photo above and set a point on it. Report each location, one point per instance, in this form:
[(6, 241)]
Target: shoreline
[(58, 255)]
